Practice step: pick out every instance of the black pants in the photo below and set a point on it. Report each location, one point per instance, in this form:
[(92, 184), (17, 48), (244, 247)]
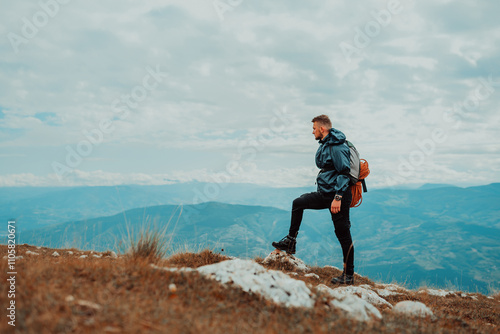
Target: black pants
[(341, 222)]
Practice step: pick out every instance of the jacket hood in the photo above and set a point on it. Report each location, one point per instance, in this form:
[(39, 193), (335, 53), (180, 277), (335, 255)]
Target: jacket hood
[(335, 137)]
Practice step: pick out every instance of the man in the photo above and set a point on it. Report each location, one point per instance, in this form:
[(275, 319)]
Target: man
[(333, 158)]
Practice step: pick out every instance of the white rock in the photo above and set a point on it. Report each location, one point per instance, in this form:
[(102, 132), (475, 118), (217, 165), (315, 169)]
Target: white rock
[(113, 255), (367, 295), (467, 295), (252, 277), (38, 247), (173, 269), (70, 298), (97, 256), (313, 275), (282, 256), (31, 253), (332, 267), (393, 287), (413, 308), (70, 252), (357, 308), (55, 254), (324, 288), (366, 286), (172, 287), (387, 293), (88, 304), (389, 290), (83, 257), (439, 293)]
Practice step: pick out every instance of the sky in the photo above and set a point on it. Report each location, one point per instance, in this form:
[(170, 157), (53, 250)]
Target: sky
[(157, 92)]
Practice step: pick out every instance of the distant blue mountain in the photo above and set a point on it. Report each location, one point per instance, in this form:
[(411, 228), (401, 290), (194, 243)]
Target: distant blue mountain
[(429, 186), (443, 237), (39, 207), (438, 235)]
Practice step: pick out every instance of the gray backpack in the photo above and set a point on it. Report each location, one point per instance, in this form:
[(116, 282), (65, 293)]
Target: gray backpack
[(354, 173)]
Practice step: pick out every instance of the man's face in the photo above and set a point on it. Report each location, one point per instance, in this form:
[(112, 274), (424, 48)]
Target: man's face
[(317, 131)]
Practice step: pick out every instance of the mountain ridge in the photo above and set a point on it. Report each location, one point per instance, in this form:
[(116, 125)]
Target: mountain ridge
[(38, 207), (446, 237)]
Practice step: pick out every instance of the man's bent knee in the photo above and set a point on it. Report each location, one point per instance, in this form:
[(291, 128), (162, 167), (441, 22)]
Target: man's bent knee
[(300, 202)]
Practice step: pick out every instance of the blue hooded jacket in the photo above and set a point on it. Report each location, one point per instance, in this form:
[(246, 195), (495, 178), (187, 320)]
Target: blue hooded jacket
[(334, 159)]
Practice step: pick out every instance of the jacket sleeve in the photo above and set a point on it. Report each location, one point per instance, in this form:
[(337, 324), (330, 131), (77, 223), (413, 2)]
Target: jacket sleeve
[(342, 164)]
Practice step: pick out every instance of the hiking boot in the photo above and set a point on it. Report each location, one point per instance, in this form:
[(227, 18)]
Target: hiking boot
[(286, 244), (343, 279)]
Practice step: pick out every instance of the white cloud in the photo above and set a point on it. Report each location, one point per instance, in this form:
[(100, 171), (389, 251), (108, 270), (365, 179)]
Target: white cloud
[(285, 177), (275, 68), (225, 78), (423, 62)]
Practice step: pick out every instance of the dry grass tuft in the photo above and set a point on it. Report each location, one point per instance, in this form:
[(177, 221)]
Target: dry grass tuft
[(149, 244), (195, 260)]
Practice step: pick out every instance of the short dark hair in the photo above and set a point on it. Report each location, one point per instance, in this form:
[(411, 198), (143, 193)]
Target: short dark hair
[(323, 120)]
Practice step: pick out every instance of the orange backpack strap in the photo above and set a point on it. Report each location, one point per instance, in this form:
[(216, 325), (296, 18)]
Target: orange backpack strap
[(357, 198), (364, 171), (360, 187)]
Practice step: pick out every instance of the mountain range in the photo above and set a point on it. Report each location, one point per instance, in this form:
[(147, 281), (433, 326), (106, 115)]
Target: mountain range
[(38, 207), (439, 236)]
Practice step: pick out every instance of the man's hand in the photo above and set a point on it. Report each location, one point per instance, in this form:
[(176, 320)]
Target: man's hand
[(335, 208)]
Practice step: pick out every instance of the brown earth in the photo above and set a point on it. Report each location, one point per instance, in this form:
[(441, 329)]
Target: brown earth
[(68, 294)]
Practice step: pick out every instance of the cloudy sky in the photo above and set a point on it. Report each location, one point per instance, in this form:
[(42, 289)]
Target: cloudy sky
[(153, 92)]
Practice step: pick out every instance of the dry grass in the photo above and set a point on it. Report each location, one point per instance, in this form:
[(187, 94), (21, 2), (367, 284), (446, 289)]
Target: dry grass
[(67, 294), (149, 243), (194, 260)]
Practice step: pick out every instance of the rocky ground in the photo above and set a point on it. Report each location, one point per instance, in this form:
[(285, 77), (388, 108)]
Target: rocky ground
[(73, 291)]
